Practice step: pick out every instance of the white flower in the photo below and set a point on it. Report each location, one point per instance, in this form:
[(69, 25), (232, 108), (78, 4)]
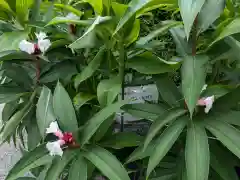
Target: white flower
[(209, 103), (72, 16), (26, 47), (44, 44), (54, 128), (41, 35), (54, 148)]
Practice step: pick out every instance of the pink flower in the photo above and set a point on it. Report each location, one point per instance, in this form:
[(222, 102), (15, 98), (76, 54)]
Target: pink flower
[(207, 102), (55, 148)]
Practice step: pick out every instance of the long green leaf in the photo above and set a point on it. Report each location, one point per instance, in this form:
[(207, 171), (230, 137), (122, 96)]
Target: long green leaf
[(12, 71), (59, 164), (164, 142), (108, 90), (10, 93), (64, 20), (227, 134), (230, 29), (223, 162), (140, 153), (193, 78), (69, 8), (11, 125), (44, 112), (211, 10), (165, 27), (189, 10), (22, 8), (15, 55), (133, 7), (64, 110), (159, 123), (182, 46), (99, 20), (148, 63), (78, 169), (93, 124), (145, 111), (168, 90), (4, 5), (228, 101), (81, 98), (197, 152), (106, 163), (91, 68), (97, 5), (122, 140), (35, 158)]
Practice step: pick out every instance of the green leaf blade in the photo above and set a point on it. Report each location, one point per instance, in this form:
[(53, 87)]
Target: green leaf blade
[(197, 152), (193, 78), (165, 142), (166, 118), (64, 110), (44, 112), (106, 163)]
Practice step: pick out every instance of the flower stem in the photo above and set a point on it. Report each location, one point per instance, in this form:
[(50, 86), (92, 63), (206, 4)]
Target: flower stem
[(37, 70)]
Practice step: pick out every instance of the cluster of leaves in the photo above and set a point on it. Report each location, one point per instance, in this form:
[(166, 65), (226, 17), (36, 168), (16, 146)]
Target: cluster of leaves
[(77, 82)]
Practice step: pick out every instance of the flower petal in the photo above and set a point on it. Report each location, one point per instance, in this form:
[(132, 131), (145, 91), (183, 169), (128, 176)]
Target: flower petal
[(54, 148), (72, 16), (44, 44), (209, 103), (26, 47), (41, 35), (53, 127)]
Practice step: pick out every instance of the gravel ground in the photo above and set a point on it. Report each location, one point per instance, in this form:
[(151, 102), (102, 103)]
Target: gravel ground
[(9, 155)]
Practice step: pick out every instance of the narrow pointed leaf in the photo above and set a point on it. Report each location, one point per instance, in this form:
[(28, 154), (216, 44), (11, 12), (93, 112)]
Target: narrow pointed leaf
[(106, 163), (159, 123), (164, 142), (211, 10), (197, 152), (134, 6), (44, 112), (98, 20), (90, 69), (14, 55), (145, 111), (22, 9), (59, 164), (159, 31), (193, 78), (189, 10), (97, 5), (140, 153), (78, 169), (182, 46), (227, 134), (223, 162), (82, 98), (64, 110), (108, 90), (93, 124), (230, 29), (38, 157), (64, 20), (69, 8)]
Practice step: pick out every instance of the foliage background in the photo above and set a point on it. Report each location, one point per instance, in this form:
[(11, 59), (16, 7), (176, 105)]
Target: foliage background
[(179, 45)]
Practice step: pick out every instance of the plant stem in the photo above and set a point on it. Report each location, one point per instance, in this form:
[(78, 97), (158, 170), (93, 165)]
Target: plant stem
[(122, 57), (37, 70)]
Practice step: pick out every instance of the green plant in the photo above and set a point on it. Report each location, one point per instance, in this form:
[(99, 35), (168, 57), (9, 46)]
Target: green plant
[(63, 89)]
